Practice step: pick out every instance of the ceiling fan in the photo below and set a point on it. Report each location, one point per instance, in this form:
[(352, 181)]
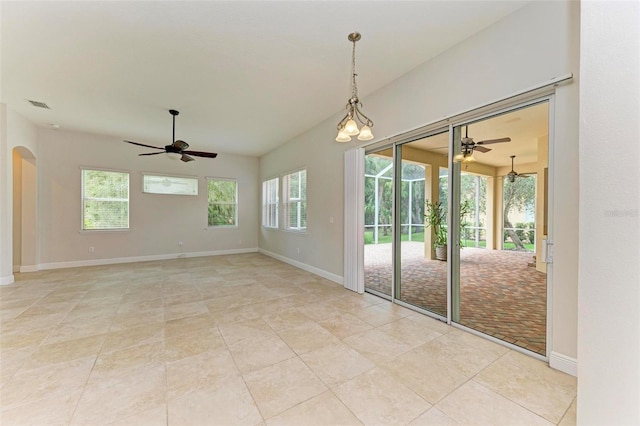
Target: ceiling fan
[(468, 146), (178, 148), (512, 175)]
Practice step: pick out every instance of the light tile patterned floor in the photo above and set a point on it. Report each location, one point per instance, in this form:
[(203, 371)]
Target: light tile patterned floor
[(246, 339)]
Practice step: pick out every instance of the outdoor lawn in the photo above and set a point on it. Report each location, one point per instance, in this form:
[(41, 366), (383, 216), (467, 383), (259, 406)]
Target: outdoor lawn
[(419, 237)]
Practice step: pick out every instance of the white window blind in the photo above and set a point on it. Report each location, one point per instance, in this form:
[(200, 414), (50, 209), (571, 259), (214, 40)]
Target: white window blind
[(354, 220), (223, 202), (105, 200), (294, 188), (270, 203)]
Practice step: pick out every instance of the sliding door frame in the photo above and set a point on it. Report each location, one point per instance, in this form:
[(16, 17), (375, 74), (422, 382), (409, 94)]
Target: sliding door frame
[(544, 92)]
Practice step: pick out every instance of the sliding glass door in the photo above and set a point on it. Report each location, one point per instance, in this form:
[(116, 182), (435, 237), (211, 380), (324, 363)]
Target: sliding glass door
[(378, 214), (499, 281), (422, 187), (455, 222)]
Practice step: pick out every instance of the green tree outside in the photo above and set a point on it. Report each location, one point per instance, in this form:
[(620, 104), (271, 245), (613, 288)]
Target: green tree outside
[(517, 195), (222, 196), (105, 199)]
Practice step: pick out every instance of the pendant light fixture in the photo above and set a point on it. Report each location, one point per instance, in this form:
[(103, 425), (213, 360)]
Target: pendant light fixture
[(348, 126), (466, 156)]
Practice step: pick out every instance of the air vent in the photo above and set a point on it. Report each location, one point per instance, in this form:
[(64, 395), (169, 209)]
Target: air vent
[(38, 104)]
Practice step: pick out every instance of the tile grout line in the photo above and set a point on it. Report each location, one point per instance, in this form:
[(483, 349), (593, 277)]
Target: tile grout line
[(514, 402)]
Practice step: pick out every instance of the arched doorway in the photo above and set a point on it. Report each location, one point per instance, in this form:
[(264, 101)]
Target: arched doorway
[(25, 247)]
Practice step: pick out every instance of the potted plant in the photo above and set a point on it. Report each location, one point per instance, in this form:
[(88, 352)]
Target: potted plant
[(436, 217)]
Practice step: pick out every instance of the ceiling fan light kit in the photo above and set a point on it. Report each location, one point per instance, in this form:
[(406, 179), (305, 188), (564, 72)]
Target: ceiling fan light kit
[(512, 175), (178, 150), (468, 146), (348, 126)]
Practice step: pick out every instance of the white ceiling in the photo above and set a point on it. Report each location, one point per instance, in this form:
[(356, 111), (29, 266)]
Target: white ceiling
[(245, 76)]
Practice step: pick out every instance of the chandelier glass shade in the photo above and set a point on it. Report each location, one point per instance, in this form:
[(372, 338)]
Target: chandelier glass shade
[(466, 154), (348, 126)]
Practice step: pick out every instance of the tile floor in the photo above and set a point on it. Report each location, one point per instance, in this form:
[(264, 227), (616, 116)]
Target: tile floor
[(246, 339)]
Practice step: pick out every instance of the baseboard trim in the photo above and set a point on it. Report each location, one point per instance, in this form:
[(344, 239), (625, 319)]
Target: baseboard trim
[(320, 272), (563, 363), (6, 280), (116, 260), (28, 268)]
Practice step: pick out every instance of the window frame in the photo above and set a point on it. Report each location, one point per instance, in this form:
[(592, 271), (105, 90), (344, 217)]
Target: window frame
[(83, 199), (169, 176), (286, 202), (236, 203), (268, 203)]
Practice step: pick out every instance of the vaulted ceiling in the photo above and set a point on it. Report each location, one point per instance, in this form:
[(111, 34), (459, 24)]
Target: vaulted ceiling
[(245, 76)]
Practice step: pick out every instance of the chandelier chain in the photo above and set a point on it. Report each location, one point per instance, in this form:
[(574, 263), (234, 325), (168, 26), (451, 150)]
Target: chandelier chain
[(354, 86)]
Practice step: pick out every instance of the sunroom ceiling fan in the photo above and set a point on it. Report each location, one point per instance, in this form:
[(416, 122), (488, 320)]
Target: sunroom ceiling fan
[(512, 175), (178, 148), (468, 146)]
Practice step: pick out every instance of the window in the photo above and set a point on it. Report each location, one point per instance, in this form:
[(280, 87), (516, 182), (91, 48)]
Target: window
[(270, 203), (105, 200), (152, 184), (223, 202), (294, 187)]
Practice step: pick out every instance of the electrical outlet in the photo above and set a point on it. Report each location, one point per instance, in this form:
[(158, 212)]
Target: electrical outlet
[(180, 243), (92, 249), (298, 249)]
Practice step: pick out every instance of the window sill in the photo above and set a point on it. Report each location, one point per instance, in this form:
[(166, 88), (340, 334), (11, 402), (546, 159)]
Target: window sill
[(296, 231), (100, 231)]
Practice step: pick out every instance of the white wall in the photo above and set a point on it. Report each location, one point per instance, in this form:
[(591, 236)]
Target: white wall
[(321, 246), (609, 271), (531, 46), (157, 222)]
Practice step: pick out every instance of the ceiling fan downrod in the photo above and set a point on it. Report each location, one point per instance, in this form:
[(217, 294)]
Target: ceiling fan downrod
[(174, 112)]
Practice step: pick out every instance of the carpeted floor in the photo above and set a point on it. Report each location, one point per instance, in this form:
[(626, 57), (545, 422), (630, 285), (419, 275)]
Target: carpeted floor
[(500, 295)]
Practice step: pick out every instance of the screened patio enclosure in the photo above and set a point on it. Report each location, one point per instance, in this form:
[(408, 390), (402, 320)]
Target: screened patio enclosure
[(379, 202)]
